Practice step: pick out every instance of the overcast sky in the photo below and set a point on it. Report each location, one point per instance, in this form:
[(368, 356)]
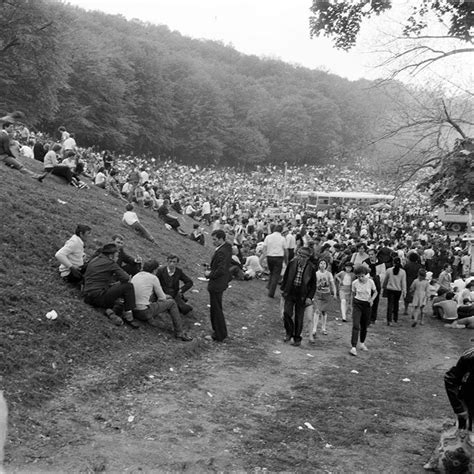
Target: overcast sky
[(271, 28)]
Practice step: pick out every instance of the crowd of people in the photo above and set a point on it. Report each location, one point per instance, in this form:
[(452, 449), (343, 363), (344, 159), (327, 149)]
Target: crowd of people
[(393, 242), (355, 254)]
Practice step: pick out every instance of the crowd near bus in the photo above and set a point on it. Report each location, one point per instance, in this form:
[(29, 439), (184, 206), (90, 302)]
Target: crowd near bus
[(314, 234)]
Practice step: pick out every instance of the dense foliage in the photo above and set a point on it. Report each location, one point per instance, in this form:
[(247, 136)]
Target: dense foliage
[(135, 87), (341, 20)]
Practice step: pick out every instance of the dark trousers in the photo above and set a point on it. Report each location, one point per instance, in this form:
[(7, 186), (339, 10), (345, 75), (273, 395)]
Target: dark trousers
[(393, 298), (61, 171), (275, 264), (360, 320), (107, 298), (374, 308), (293, 305), (217, 316)]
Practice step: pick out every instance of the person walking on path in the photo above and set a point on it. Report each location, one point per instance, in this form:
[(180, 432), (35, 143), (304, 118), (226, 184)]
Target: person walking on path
[(219, 276), (298, 287), (344, 279), (364, 291), (420, 290), (395, 286), (274, 247), (325, 286)]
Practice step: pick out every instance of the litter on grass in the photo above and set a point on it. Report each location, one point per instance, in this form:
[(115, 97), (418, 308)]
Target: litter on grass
[(406, 380), (276, 352), (209, 394), (310, 355), (354, 372), (61, 201), (197, 324), (309, 426), (52, 315), (131, 418)]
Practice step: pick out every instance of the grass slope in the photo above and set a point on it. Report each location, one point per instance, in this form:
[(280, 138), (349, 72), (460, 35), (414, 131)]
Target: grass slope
[(70, 381), (38, 356)]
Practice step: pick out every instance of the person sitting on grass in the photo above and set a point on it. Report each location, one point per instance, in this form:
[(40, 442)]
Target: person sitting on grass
[(440, 296), (170, 277), (71, 255), (101, 289), (52, 166), (130, 219), (236, 268), (252, 267), (448, 307), (197, 235), (151, 300), (170, 220), (132, 265), (6, 154)]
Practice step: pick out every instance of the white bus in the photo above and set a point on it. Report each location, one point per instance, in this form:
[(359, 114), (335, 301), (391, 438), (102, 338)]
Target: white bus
[(314, 200)]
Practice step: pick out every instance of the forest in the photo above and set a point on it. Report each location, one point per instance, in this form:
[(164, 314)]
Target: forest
[(139, 88)]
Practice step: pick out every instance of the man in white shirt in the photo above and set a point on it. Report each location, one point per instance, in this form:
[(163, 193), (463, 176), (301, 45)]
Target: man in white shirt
[(276, 252), (206, 212), (71, 255), (130, 219), (290, 243), (147, 288), (69, 144)]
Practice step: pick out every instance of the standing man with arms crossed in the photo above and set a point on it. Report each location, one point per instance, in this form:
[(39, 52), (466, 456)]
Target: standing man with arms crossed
[(219, 277), (275, 249)]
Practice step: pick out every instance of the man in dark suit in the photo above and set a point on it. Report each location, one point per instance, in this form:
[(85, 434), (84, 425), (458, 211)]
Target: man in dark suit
[(219, 277), (169, 277)]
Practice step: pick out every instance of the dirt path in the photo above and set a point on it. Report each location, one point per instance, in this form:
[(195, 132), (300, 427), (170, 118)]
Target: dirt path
[(252, 404)]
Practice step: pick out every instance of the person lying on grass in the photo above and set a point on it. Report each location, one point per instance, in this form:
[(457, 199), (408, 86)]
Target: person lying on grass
[(130, 219)]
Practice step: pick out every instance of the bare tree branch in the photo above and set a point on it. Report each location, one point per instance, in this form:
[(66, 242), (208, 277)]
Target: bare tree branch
[(450, 120)]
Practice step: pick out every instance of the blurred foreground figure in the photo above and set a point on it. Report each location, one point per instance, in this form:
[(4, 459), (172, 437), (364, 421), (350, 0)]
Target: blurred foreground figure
[(3, 428), (455, 451)]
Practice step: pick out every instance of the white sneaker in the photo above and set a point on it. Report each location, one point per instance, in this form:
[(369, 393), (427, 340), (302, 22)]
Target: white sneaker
[(363, 347), (353, 351)]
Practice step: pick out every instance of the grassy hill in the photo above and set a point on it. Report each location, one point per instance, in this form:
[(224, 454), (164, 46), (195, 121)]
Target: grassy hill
[(75, 385), (38, 356)]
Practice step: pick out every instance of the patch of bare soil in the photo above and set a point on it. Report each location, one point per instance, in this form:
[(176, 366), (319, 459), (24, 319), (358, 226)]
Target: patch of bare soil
[(255, 404)]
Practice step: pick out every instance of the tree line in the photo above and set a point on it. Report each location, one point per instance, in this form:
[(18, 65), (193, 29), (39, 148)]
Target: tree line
[(140, 88)]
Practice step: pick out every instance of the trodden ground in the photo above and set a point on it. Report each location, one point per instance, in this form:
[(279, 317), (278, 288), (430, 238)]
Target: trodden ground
[(86, 396)]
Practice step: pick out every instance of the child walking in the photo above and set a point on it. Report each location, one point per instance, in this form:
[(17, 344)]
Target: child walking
[(420, 288), (344, 280), (365, 292), (324, 287)]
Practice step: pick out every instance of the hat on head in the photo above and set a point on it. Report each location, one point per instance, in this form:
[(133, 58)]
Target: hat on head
[(109, 249), (304, 251)]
